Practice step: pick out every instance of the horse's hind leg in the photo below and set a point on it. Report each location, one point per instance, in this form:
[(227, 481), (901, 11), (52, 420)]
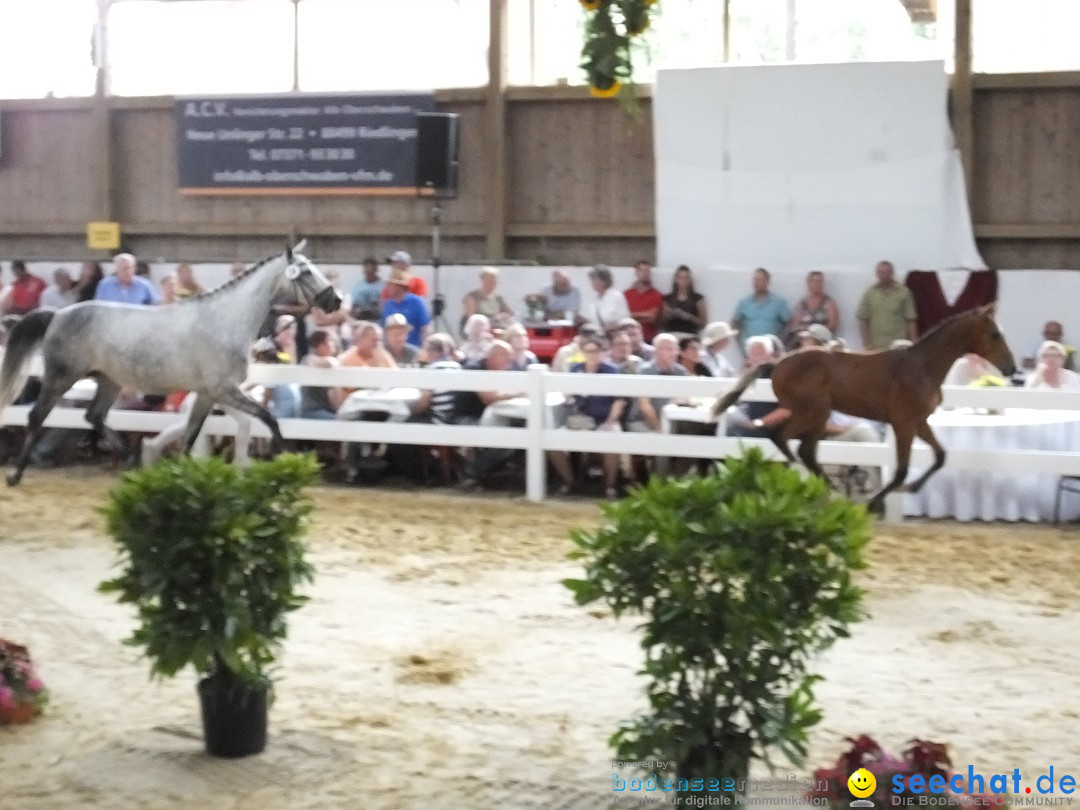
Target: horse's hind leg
[(204, 403), (904, 436), (245, 404), (924, 432), (107, 392), (808, 453), (54, 386)]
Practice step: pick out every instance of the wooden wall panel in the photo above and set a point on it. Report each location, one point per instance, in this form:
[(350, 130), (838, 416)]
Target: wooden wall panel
[(45, 166), (1031, 254), (578, 161)]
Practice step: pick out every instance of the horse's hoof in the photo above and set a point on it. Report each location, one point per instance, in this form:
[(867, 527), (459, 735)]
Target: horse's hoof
[(13, 479), (876, 507)]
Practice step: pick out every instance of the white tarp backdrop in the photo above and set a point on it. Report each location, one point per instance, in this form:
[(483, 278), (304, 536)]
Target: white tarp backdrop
[(792, 167)]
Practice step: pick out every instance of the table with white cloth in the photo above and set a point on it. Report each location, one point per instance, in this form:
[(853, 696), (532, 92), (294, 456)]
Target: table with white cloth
[(998, 493), (697, 411), (395, 403), (506, 411)]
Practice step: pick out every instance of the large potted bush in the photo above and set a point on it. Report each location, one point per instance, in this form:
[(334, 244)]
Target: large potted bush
[(740, 577), (212, 556)]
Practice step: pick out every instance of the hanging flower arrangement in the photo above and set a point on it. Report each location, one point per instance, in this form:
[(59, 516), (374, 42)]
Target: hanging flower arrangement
[(610, 30)]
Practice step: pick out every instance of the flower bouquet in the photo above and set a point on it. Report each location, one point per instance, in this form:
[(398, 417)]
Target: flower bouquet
[(23, 695), (922, 758)]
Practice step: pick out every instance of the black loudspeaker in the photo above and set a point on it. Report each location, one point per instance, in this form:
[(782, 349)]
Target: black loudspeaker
[(437, 154)]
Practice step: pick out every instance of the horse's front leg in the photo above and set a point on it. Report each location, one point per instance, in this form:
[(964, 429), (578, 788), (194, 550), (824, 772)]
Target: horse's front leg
[(904, 436), (245, 404), (924, 432)]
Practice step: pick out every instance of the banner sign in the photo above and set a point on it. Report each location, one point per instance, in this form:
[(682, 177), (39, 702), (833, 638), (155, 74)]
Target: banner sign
[(299, 143)]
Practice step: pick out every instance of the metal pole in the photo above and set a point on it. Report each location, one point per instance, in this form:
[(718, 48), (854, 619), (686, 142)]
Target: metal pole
[(296, 47), (727, 31)]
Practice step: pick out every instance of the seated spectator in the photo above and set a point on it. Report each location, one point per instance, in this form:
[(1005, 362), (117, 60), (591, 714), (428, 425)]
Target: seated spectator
[(844, 428), (478, 339), (437, 406), (319, 401), (486, 301), (366, 351), (645, 412), (61, 292), (473, 405), (124, 285), (284, 400), (395, 341), (24, 293), (1050, 371), (610, 305), (90, 276), (715, 339), (970, 368), (814, 336), (563, 298), (592, 412), (645, 301), (631, 328), (762, 312), (684, 307), (622, 356), (571, 353), (1052, 331), (754, 419), (367, 293), (690, 357), (186, 285), (518, 338), (817, 307)]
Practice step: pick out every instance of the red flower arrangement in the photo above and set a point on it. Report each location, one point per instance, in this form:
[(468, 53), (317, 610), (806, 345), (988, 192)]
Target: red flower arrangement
[(23, 695), (922, 757)]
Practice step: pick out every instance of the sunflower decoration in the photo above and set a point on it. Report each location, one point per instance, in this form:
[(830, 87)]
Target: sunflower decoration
[(609, 30)]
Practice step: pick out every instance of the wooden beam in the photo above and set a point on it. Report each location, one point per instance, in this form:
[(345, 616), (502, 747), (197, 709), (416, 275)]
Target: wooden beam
[(1061, 80), (963, 97), (582, 230), (1061, 231), (496, 173)]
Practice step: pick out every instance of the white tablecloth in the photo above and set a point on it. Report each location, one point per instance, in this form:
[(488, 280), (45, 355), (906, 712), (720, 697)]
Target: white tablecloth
[(506, 410), (698, 412), (394, 402), (999, 494)]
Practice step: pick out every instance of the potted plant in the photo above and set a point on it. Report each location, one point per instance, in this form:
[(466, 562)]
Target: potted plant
[(212, 556), (23, 695), (740, 577)]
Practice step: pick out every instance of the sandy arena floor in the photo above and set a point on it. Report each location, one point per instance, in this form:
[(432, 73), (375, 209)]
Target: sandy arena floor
[(441, 664)]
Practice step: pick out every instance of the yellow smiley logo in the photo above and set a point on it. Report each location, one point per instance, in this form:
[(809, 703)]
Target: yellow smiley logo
[(861, 783)]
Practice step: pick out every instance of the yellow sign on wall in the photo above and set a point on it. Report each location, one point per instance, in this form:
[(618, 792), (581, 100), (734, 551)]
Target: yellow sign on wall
[(103, 235)]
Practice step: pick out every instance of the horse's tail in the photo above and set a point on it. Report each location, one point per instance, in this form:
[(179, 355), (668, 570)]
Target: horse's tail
[(732, 396), (25, 336)]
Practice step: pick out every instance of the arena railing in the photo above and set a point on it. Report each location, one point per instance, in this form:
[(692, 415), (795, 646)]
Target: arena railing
[(537, 437)]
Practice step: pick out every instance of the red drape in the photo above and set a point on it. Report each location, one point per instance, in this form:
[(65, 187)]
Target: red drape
[(931, 305)]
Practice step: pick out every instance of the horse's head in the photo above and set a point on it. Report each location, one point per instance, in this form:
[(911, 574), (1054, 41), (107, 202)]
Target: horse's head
[(313, 288), (988, 342)]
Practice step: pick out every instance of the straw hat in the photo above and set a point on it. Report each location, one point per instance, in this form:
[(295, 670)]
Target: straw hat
[(399, 276), (717, 331)]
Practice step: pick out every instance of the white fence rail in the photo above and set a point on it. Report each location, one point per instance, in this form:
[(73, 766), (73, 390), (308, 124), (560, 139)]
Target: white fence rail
[(536, 437)]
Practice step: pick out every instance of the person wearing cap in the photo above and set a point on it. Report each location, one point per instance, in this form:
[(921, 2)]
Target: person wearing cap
[(638, 345), (571, 353), (396, 341), (715, 338), (485, 301), (1050, 371), (646, 303), (412, 306), (815, 335), (401, 263), (610, 305)]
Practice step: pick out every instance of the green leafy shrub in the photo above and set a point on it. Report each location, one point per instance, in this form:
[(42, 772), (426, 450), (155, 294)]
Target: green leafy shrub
[(740, 578), (212, 556)]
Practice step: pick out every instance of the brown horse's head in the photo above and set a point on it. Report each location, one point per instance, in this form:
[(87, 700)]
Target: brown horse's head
[(987, 341)]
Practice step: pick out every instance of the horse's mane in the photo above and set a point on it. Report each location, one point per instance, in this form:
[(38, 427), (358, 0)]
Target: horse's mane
[(228, 285), (942, 325)]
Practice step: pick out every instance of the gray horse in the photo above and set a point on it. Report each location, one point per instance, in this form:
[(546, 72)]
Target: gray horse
[(200, 344)]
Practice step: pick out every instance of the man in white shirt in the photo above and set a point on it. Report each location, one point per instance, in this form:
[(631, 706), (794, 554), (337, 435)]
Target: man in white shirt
[(610, 306), (61, 292), (715, 339)]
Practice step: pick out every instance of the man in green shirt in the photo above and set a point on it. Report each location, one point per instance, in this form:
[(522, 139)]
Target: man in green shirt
[(886, 311)]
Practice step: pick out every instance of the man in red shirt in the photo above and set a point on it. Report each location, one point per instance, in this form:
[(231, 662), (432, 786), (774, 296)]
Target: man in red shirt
[(25, 292), (644, 300)]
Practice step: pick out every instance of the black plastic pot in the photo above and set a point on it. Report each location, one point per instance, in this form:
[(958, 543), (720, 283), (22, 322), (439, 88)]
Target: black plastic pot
[(234, 715)]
